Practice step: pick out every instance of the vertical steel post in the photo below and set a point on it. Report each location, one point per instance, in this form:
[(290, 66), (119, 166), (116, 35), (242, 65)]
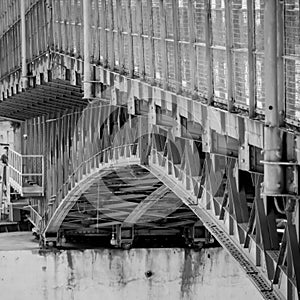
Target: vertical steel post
[(251, 60), (24, 81), (87, 84), (280, 62), (273, 175)]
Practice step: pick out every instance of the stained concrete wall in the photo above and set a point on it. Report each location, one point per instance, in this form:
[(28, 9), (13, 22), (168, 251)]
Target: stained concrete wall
[(114, 274)]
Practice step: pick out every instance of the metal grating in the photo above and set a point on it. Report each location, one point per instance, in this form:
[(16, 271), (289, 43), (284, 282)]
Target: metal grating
[(136, 58), (116, 49), (259, 56), (262, 285), (220, 74), (239, 23), (134, 21), (240, 52), (292, 59), (10, 33), (67, 32), (171, 63), (126, 52), (102, 23), (94, 29), (241, 87), (168, 9), (147, 58), (115, 34), (110, 50), (125, 36), (218, 23), (183, 17), (259, 24), (292, 29), (156, 18), (145, 16), (185, 65), (158, 60), (78, 27), (201, 70), (260, 81), (292, 89), (200, 15)]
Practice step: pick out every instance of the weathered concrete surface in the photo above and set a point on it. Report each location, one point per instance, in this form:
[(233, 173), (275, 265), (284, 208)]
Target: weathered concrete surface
[(17, 241), (114, 274)]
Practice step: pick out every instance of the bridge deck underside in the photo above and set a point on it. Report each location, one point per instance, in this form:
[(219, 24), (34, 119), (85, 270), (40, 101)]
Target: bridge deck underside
[(51, 97), (131, 197)]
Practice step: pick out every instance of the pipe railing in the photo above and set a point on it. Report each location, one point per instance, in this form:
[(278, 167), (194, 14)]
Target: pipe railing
[(26, 171), (104, 156)]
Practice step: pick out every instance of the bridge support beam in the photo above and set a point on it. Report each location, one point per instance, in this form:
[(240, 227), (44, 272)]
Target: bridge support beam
[(87, 84), (23, 46)]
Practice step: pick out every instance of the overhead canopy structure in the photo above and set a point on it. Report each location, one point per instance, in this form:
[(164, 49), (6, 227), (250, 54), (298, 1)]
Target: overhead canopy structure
[(55, 96)]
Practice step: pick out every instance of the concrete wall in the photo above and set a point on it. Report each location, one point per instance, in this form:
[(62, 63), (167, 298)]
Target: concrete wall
[(114, 274)]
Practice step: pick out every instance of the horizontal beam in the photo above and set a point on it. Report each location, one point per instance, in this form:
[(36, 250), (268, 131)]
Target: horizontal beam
[(146, 204)]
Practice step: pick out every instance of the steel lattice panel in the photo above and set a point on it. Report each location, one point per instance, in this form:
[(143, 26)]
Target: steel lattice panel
[(292, 89), (183, 19), (201, 70), (147, 58), (218, 23), (220, 75), (292, 32), (171, 63), (239, 24), (259, 25), (158, 60), (241, 89), (136, 55), (185, 65), (260, 81), (259, 55), (156, 18), (200, 16), (168, 10), (292, 59), (135, 39)]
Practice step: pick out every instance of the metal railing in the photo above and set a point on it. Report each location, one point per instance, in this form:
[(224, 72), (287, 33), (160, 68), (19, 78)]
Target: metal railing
[(34, 218), (26, 173), (106, 157)]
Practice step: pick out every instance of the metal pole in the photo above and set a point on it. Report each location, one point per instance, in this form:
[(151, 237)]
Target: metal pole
[(87, 85), (280, 64), (23, 46), (273, 175)]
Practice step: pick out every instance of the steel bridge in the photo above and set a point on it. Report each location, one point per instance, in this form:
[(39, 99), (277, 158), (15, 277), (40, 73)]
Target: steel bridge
[(141, 118)]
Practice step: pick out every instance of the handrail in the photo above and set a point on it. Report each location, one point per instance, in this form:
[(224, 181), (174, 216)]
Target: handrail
[(34, 167), (92, 157), (25, 155), (75, 172)]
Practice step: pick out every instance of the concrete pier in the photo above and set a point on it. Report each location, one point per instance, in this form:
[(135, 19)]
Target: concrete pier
[(116, 274)]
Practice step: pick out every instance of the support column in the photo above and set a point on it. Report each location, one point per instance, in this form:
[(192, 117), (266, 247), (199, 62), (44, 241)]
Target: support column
[(273, 175), (280, 61), (24, 80), (87, 84), (143, 138), (251, 61)]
